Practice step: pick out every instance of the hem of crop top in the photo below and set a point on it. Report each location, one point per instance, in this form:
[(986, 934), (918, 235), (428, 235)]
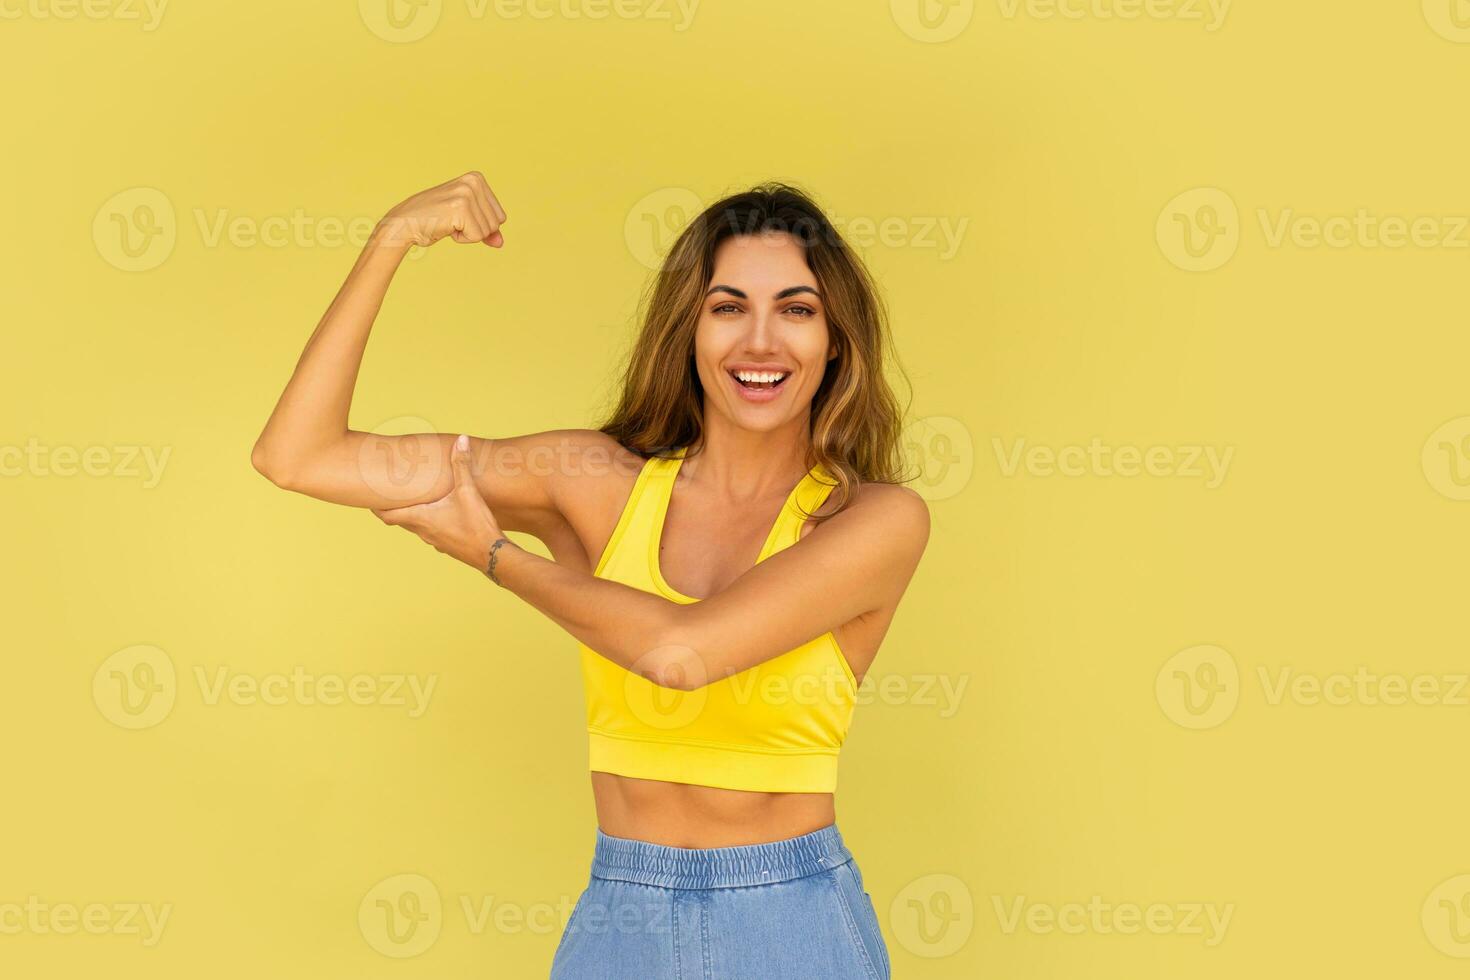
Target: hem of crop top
[(722, 767)]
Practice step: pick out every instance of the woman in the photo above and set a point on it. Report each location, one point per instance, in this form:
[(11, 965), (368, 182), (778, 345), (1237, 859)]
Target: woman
[(729, 549)]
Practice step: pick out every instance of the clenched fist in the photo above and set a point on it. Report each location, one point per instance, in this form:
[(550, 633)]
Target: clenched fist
[(464, 208)]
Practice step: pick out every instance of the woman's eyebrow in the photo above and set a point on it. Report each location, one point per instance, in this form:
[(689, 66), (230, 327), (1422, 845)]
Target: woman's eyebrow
[(740, 293)]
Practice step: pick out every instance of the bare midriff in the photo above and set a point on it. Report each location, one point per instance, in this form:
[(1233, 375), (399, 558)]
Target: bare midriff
[(684, 815)]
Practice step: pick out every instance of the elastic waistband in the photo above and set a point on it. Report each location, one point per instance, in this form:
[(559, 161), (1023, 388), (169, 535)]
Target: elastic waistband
[(621, 859)]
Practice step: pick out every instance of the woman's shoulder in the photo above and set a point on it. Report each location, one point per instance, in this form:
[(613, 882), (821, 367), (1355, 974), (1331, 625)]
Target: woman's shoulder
[(595, 473), (598, 448), (894, 507), (585, 463)]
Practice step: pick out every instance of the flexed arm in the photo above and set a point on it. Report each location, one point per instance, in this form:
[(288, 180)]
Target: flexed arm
[(307, 446), (309, 423)]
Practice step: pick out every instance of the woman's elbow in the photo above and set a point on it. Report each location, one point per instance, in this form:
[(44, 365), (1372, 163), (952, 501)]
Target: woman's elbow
[(269, 466), (674, 663)]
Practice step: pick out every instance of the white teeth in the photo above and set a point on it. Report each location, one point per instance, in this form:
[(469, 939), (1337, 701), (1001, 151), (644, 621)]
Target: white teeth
[(760, 375)]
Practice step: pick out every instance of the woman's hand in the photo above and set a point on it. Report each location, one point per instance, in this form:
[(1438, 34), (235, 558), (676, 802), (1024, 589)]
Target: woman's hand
[(464, 208), (458, 524)]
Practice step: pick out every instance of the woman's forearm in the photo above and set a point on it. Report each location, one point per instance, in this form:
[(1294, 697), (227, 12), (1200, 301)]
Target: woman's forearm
[(626, 625), (313, 410)]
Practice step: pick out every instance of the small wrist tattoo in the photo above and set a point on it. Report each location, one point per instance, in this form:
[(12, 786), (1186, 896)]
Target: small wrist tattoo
[(490, 566)]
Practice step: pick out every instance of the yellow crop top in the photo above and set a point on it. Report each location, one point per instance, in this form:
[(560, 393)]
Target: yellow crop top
[(775, 727)]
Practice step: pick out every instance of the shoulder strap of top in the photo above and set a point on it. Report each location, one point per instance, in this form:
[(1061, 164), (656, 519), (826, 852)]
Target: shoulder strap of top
[(659, 472), (640, 512), (804, 500)]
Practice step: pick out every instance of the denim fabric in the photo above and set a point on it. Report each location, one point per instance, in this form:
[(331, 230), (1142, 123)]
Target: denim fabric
[(791, 909)]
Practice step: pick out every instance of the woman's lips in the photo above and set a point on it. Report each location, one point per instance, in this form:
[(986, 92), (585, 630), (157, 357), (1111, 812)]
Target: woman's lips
[(758, 395)]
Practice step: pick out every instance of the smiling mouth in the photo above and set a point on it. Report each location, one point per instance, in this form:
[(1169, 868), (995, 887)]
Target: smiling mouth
[(760, 380)]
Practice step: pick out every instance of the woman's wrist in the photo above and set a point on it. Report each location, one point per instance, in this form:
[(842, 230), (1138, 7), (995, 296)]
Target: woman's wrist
[(392, 235), (493, 566)]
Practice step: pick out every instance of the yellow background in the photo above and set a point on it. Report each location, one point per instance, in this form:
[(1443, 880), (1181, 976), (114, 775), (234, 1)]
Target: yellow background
[(1069, 768)]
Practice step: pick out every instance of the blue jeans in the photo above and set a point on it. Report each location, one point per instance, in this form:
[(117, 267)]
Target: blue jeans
[(791, 909)]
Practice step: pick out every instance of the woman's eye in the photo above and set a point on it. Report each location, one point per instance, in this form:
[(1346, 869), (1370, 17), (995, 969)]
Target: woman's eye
[(802, 311)]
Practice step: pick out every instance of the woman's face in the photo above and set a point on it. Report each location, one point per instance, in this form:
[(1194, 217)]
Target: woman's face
[(762, 320)]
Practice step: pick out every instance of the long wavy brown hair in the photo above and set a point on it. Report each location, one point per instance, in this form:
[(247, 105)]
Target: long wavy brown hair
[(856, 422)]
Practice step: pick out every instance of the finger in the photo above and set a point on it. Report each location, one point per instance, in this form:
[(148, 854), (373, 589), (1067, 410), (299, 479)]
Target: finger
[(459, 460), (488, 219), (469, 227), (495, 204), (482, 187), (464, 477), (475, 212), (495, 240), (398, 516), (467, 222), (473, 186)]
